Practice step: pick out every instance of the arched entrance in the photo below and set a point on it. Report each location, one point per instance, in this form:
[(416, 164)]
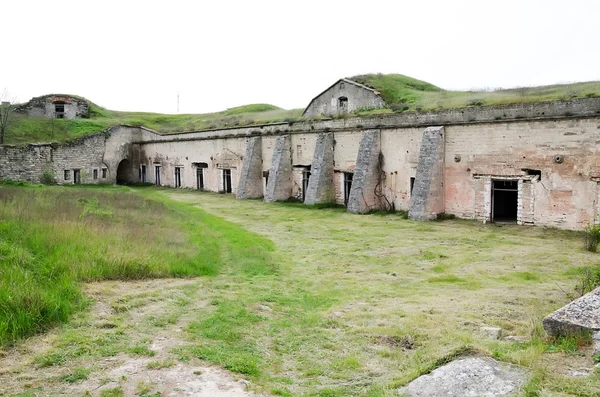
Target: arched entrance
[(124, 173)]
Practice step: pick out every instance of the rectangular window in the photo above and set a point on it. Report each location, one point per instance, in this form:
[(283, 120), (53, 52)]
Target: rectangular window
[(67, 175), (347, 186), (95, 172), (412, 184), (177, 176), (157, 175), (227, 181), (143, 174), (200, 178), (104, 172)]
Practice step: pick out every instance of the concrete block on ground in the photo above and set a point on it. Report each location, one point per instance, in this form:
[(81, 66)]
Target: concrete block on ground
[(427, 198), (250, 183), (320, 184), (581, 315), (471, 376), (362, 197), (493, 333), (279, 186)]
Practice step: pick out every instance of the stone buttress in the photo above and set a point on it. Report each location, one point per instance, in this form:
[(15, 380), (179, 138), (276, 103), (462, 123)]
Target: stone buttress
[(427, 198)]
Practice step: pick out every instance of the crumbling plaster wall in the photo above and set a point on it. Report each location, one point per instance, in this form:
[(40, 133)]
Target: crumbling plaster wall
[(566, 196), (219, 154), (358, 97), (44, 106), (488, 146)]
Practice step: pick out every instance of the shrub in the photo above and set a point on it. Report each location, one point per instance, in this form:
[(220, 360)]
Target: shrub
[(589, 279), (591, 238), (48, 178)]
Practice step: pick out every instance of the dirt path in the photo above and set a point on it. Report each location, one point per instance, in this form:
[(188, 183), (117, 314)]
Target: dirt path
[(126, 345)]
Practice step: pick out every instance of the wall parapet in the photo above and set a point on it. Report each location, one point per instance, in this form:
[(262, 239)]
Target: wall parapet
[(568, 109)]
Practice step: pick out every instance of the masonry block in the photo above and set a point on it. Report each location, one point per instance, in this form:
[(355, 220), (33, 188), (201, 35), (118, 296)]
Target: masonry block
[(366, 174), (320, 184), (427, 198), (280, 185), (250, 183)]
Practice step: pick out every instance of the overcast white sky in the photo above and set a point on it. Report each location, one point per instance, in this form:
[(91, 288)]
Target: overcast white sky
[(137, 55)]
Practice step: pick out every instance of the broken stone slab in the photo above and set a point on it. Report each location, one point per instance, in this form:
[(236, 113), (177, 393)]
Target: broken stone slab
[(472, 377), (517, 338), (581, 315), (493, 333)]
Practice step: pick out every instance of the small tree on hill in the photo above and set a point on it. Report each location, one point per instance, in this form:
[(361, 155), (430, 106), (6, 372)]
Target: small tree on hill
[(6, 111)]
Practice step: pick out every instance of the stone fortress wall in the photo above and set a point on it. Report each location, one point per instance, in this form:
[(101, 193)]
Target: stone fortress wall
[(537, 163)]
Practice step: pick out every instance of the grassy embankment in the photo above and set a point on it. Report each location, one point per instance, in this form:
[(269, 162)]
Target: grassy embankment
[(401, 93), (26, 129), (358, 305), (52, 239)]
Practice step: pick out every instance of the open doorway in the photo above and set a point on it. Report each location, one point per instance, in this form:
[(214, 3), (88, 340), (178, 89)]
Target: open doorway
[(124, 173), (347, 186), (305, 178), (504, 201), (227, 181)]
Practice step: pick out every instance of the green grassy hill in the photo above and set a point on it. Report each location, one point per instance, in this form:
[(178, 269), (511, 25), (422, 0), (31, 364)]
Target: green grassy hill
[(26, 129), (402, 93)]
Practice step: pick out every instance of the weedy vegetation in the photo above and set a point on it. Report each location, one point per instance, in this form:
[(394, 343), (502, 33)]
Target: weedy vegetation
[(401, 93), (299, 300)]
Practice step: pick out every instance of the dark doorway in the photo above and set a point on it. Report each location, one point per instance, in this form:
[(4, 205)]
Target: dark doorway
[(504, 201), (157, 175), (143, 174), (227, 181), (124, 173), (77, 177), (347, 186), (342, 104), (200, 178), (305, 178), (177, 176), (59, 109), (412, 184)]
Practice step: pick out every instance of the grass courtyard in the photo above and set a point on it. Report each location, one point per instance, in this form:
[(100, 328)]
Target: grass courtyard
[(298, 301)]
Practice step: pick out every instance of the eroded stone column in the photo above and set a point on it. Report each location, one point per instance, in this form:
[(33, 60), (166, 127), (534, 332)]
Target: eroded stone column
[(250, 183), (366, 175), (320, 185), (279, 186), (427, 199)]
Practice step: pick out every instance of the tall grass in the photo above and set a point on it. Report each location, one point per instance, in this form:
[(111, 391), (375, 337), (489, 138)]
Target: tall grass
[(53, 238)]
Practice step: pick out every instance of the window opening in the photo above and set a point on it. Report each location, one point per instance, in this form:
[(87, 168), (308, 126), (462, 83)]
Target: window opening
[(104, 172), (342, 104), (504, 201), (177, 176), (200, 178), (347, 186), (95, 172), (305, 178), (227, 181), (59, 110), (143, 177), (67, 175), (157, 175), (412, 184)]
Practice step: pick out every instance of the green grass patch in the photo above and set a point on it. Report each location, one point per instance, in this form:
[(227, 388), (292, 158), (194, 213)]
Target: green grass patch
[(76, 375), (52, 238)]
